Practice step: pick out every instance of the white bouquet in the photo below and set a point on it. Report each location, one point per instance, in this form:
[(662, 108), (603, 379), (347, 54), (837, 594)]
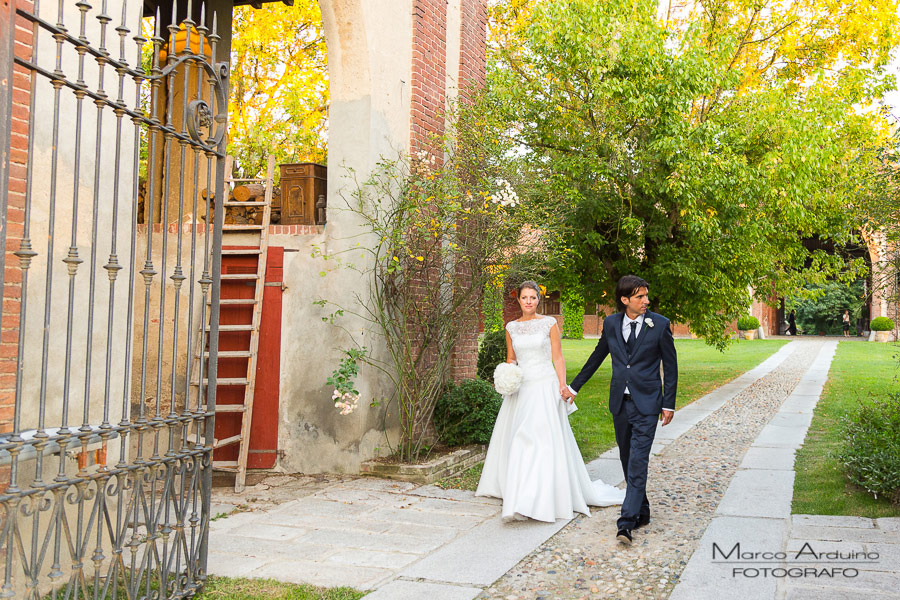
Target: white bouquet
[(507, 378)]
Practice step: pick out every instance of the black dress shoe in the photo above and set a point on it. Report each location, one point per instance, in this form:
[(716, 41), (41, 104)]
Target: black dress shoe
[(624, 536), (642, 522)]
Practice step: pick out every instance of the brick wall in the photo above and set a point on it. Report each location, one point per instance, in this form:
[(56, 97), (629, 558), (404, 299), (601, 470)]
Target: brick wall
[(472, 61), (429, 67), (15, 215)]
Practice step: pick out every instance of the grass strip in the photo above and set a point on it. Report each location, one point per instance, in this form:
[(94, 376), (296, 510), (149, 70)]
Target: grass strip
[(859, 370), (240, 588)]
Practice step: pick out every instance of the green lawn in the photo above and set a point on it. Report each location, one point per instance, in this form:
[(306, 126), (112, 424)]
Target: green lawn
[(701, 368), (820, 488), (239, 588)]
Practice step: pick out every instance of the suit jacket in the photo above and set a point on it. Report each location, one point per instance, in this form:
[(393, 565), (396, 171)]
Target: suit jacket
[(640, 371)]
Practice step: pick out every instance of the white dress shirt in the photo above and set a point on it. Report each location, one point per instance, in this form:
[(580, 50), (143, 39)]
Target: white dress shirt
[(626, 333)]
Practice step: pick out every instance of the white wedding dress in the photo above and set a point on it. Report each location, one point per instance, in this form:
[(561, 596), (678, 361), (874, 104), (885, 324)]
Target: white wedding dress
[(533, 462)]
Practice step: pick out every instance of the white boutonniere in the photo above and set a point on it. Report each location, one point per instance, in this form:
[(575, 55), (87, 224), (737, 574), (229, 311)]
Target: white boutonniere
[(649, 322)]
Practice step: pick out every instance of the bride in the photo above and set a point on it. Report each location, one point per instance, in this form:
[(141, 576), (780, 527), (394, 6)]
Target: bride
[(533, 462)]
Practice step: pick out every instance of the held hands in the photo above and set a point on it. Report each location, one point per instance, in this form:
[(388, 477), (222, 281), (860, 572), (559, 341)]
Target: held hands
[(566, 394)]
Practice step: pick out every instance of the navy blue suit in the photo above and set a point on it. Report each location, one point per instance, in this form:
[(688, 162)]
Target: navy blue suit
[(635, 419)]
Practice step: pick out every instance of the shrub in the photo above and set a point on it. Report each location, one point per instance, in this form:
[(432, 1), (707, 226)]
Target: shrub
[(491, 354), (882, 324), (465, 413), (573, 314), (747, 322), (871, 452)]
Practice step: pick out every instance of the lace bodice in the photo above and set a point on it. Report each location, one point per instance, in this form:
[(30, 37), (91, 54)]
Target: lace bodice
[(531, 342)]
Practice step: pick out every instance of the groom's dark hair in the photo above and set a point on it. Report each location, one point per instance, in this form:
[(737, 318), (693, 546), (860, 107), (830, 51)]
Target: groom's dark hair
[(628, 287)]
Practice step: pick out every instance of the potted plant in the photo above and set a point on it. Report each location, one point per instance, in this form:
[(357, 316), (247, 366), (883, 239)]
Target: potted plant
[(883, 328), (748, 326)]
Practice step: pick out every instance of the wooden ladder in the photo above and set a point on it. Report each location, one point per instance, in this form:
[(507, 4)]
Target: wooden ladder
[(245, 410)]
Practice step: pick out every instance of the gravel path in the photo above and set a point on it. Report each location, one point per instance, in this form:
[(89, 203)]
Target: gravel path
[(686, 483)]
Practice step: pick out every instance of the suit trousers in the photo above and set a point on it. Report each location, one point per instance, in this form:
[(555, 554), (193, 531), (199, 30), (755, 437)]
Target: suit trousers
[(634, 436)]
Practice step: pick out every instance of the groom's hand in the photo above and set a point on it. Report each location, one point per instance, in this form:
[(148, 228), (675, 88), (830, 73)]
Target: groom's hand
[(565, 393), (666, 416)]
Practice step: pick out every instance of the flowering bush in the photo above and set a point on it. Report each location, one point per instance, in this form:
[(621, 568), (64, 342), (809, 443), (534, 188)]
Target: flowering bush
[(346, 396)]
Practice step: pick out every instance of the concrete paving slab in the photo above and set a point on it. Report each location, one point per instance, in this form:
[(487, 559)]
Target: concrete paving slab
[(758, 493), (791, 419), (833, 521), (346, 495), (842, 534), (232, 521), (709, 577), (378, 485), (433, 491), (265, 531), (371, 522), (607, 470), (266, 550), (373, 558), (772, 459), (812, 549), (419, 590), (888, 557), (322, 574), (485, 554), (373, 541), (424, 517), (313, 505), (824, 593), (873, 582), (443, 534), (888, 523), (456, 507), (773, 436), (232, 565)]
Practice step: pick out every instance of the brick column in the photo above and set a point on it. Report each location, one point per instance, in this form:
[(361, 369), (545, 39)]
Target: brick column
[(472, 60), (429, 68), (15, 217)]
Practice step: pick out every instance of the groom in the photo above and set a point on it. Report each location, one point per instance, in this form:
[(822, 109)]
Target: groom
[(638, 342)]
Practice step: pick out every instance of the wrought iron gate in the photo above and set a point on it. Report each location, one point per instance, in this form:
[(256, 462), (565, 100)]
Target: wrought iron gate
[(110, 278)]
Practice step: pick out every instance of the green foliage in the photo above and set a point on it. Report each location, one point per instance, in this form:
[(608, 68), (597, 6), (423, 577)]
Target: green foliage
[(882, 324), (824, 305), (696, 154), (573, 313), (491, 353), (492, 306), (343, 379), (871, 454), (465, 413), (747, 322)]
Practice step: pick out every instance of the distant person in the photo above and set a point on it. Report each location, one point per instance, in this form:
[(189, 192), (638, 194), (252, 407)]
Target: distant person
[(845, 322), (792, 323)]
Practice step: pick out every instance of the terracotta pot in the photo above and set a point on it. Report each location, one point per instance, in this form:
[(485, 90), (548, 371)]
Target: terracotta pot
[(748, 334), (883, 336)]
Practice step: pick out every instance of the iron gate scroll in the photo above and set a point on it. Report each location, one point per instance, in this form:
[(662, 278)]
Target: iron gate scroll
[(109, 449)]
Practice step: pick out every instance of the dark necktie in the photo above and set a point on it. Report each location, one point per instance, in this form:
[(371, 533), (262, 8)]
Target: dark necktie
[(629, 343)]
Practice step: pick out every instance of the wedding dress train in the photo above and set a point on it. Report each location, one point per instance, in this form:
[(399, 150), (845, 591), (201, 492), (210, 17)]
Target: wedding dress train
[(533, 462)]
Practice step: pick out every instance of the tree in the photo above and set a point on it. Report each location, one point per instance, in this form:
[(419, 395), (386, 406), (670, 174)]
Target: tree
[(279, 86), (821, 309), (700, 154)]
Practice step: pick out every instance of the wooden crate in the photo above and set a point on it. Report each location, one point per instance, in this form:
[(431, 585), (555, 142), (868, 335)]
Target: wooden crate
[(302, 186)]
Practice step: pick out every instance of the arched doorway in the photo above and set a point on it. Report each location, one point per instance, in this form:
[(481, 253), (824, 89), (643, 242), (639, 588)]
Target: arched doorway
[(860, 316)]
